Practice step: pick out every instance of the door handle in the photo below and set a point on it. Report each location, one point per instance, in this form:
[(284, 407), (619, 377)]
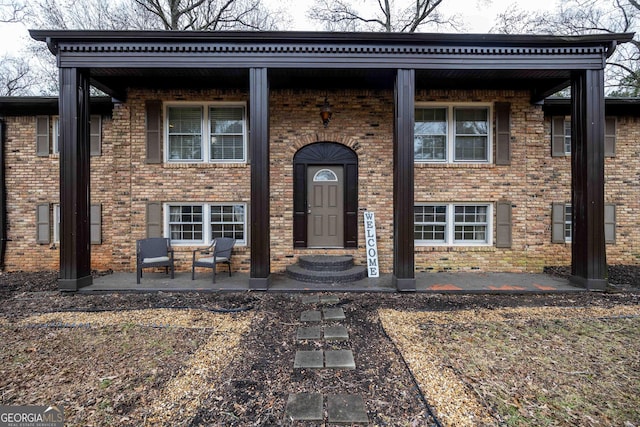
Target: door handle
[(309, 208)]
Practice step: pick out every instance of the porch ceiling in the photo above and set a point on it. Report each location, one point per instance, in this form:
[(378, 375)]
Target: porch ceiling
[(117, 80)]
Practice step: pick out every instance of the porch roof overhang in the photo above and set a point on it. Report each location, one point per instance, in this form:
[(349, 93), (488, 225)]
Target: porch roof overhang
[(117, 60)]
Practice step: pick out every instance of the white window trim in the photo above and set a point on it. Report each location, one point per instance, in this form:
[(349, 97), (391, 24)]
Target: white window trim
[(450, 225), (450, 154), (206, 131), (206, 227)]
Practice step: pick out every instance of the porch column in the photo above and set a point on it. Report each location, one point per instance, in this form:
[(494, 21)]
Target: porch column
[(75, 235), (588, 254), (259, 146), (403, 245)]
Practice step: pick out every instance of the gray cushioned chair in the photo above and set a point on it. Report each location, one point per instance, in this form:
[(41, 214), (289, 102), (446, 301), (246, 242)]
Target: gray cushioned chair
[(218, 252), (153, 252)]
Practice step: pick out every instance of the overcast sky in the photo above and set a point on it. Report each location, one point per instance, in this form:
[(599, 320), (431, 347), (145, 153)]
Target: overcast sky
[(479, 16)]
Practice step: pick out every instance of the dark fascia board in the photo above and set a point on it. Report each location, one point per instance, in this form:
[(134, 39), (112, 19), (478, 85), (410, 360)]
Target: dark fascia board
[(295, 37), (613, 106), (322, 50), (47, 105)]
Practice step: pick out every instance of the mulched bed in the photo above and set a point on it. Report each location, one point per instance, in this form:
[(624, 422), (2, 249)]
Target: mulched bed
[(253, 389)]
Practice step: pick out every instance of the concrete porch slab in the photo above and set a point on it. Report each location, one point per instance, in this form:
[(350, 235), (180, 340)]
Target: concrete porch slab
[(347, 409), (434, 282), (304, 407)]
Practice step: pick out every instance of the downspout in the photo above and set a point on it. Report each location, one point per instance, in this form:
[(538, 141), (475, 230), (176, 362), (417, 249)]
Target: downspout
[(3, 197)]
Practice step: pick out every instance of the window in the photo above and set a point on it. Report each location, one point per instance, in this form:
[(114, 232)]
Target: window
[(95, 134), (562, 226), (201, 223), (567, 137), (190, 126), (568, 223), (561, 136), (453, 224), (450, 134), (56, 223), (325, 175)]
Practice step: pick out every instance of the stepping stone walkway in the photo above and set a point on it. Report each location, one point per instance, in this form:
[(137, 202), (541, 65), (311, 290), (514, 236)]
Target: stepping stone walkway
[(341, 408)]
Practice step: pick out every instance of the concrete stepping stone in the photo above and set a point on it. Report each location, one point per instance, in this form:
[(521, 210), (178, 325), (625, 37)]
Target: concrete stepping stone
[(333, 313), (329, 300), (339, 359), (310, 333), (310, 299), (308, 359), (336, 333), (346, 409), (310, 316), (304, 407)]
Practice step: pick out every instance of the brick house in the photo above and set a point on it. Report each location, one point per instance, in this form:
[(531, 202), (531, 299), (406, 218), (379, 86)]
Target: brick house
[(450, 140)]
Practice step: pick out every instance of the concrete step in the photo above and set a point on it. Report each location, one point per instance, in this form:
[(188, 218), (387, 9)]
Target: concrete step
[(326, 262), (353, 274)]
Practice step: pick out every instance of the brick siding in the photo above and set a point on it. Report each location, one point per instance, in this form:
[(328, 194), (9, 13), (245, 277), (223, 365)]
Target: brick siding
[(122, 182)]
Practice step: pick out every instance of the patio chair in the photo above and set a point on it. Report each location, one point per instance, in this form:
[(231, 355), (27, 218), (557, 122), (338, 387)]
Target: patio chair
[(153, 252), (219, 252)]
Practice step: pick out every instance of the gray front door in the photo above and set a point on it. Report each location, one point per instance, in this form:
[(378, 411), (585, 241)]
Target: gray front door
[(325, 207)]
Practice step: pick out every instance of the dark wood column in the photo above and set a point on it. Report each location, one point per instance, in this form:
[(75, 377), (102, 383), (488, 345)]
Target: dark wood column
[(403, 245), (259, 146), (588, 261), (75, 236)]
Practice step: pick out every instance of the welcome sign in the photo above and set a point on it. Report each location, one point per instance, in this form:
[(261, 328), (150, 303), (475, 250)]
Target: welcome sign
[(371, 244)]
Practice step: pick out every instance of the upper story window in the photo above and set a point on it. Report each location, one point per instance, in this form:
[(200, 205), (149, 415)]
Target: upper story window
[(48, 137), (452, 134), (561, 136), (214, 133)]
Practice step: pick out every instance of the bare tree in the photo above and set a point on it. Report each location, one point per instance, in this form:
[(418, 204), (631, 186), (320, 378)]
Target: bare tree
[(15, 77), (82, 15), (12, 10), (576, 17), (211, 15), (381, 15)]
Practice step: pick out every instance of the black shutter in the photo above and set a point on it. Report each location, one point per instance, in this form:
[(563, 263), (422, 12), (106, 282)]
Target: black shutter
[(96, 135), (557, 137), (96, 224), (154, 219), (42, 136), (351, 207), (610, 136), (299, 206), (503, 133), (557, 223), (43, 225), (503, 224), (154, 133)]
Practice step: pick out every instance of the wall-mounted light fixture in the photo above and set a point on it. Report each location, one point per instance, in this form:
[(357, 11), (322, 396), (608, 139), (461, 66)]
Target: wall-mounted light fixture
[(325, 112)]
